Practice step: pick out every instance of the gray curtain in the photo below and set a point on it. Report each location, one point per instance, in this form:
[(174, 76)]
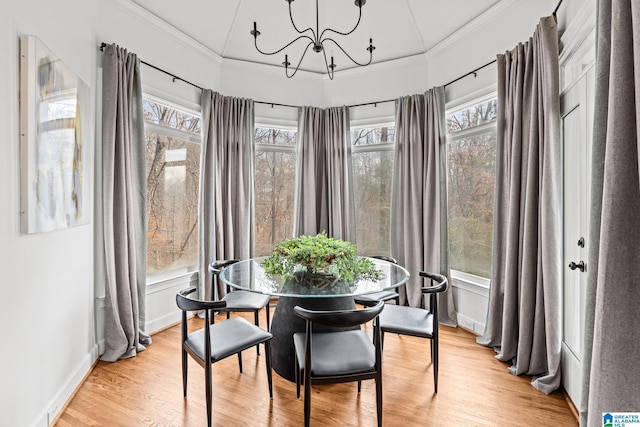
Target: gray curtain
[(324, 183), (419, 198), (226, 182), (611, 362), (124, 189), (524, 319)]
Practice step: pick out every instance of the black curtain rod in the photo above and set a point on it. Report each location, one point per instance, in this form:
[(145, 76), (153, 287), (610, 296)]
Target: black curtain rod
[(374, 103), (173, 76)]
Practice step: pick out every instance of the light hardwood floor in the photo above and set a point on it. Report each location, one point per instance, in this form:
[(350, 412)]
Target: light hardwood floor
[(475, 389)]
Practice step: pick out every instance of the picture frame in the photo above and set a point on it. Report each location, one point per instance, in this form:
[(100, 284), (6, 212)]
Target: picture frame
[(54, 103)]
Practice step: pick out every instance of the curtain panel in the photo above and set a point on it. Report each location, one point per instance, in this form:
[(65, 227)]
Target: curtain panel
[(419, 233), (226, 210), (324, 183), (612, 338), (524, 321), (124, 189)]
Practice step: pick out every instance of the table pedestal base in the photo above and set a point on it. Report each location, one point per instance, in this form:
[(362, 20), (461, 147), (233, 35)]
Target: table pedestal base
[(285, 323)]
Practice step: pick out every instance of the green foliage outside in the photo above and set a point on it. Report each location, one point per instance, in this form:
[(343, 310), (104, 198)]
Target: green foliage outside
[(319, 254)]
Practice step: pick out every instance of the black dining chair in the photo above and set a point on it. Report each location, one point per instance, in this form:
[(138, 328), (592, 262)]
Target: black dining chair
[(418, 322), (215, 342), (238, 300), (368, 299), (342, 354)]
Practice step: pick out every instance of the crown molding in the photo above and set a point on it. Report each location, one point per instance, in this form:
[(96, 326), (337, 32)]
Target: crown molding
[(581, 25), (136, 11), (485, 17)]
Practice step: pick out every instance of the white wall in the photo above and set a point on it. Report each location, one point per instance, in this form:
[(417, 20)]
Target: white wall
[(46, 309), (50, 336)]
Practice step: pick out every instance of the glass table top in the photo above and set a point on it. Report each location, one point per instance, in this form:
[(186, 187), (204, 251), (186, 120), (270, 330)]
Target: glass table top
[(249, 275)]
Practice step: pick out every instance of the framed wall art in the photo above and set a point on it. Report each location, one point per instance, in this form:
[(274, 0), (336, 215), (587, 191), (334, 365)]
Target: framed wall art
[(53, 141)]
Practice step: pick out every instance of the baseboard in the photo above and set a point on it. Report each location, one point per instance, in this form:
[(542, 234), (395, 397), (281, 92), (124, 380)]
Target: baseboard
[(572, 406), (56, 406), (162, 323)]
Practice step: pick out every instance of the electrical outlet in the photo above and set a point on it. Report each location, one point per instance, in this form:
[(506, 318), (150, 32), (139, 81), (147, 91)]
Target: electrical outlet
[(53, 412)]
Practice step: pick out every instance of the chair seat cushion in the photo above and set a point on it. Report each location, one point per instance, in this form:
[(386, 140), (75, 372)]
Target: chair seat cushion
[(337, 353), (227, 337), (244, 300), (377, 296), (407, 321)]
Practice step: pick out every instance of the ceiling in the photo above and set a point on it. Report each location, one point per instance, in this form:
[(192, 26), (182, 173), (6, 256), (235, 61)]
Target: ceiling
[(399, 28)]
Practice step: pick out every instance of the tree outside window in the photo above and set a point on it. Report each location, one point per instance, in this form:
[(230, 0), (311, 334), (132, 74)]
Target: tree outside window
[(471, 143), (372, 162), (172, 137), (275, 168)]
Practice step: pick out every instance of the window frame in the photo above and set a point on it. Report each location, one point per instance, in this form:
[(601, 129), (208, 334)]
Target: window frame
[(148, 94), (274, 148), (379, 148), (463, 277)]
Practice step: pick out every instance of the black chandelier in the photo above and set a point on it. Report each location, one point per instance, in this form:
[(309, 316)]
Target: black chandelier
[(317, 39)]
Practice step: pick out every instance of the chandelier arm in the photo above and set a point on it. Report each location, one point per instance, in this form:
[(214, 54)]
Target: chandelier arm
[(326, 64), (284, 47), (339, 32), (299, 62), (315, 38), (328, 39)]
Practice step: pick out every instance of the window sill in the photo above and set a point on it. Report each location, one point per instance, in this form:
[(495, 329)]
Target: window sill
[(163, 281), (469, 282)]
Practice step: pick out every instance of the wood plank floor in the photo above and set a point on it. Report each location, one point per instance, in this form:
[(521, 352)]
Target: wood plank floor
[(475, 389)]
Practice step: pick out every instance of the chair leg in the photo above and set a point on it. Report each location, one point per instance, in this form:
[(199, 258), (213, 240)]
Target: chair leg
[(431, 349), (185, 367), (207, 385), (267, 351), (268, 317), (435, 364), (298, 375), (379, 399), (240, 361), (256, 320), (307, 399), (359, 386)]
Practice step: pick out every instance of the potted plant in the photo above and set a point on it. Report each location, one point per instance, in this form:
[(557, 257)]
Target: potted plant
[(318, 263)]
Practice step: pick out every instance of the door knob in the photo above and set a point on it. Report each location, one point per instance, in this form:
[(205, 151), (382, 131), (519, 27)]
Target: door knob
[(580, 266)]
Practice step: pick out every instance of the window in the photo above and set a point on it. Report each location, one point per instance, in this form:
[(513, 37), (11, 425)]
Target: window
[(274, 187), (471, 142), (372, 156), (172, 137)]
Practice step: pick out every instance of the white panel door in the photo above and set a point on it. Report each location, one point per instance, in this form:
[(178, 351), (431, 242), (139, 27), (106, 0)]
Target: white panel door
[(577, 119)]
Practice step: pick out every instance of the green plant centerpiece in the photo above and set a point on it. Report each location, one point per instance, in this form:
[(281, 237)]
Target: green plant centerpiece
[(318, 264)]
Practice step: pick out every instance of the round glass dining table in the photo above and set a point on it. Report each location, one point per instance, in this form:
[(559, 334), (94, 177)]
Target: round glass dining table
[(249, 275)]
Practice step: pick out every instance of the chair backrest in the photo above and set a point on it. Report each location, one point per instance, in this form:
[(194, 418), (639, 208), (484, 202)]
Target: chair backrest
[(439, 283), (340, 318), (215, 267), (186, 303)]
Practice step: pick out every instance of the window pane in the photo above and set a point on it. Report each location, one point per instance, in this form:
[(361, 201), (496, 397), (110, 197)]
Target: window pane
[(164, 115), (173, 169), (371, 136), (472, 116), (372, 171), (274, 187), (470, 202)]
